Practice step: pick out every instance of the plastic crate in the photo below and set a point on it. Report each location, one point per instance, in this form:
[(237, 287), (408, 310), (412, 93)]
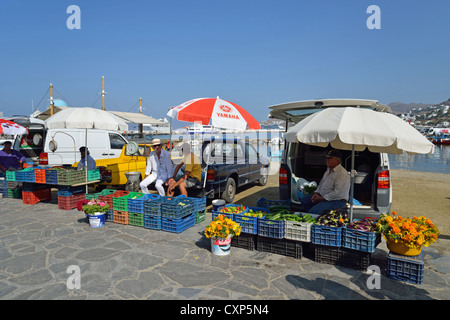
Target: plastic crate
[(360, 240), (228, 215), (70, 176), (28, 186), (177, 225), (67, 191), (200, 216), (109, 215), (296, 230), (108, 198), (328, 236), (153, 207), (265, 203), (135, 219), (39, 175), (3, 183), (342, 257), (90, 196), (249, 224), (15, 193), (137, 205), (285, 247), (120, 217), (245, 241), (93, 174), (152, 222), (121, 203), (405, 268), (51, 176), (271, 228), (10, 175), (33, 197), (25, 175), (177, 208), (70, 202)]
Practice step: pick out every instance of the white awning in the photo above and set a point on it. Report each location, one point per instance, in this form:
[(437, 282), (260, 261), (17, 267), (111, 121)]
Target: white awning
[(132, 117)]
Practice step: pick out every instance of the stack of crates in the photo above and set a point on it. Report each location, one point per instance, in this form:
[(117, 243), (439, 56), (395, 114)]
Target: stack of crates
[(4, 187), (33, 193), (68, 196), (136, 208), (118, 216), (177, 214), (120, 207), (104, 192), (152, 212), (14, 189)]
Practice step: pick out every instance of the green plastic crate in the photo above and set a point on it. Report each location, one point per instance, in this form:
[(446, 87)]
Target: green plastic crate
[(15, 193), (10, 175), (93, 175), (90, 196), (121, 203), (200, 216), (136, 219), (70, 177)]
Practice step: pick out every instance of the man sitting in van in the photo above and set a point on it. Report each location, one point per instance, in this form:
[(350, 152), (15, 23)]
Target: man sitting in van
[(85, 156), (192, 172), (159, 169), (333, 190), (10, 158)]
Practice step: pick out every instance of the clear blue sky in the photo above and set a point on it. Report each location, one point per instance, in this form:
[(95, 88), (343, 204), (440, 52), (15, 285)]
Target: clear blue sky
[(255, 53)]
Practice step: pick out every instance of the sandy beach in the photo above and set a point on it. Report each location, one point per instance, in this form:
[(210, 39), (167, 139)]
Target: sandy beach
[(413, 194)]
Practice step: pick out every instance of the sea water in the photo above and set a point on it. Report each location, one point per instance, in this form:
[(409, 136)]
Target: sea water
[(438, 162)]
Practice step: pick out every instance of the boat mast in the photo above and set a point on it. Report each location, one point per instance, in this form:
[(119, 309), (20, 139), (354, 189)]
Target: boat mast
[(51, 100), (103, 93)]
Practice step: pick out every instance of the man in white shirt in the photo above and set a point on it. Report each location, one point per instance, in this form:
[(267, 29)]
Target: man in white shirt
[(86, 157), (159, 169), (333, 190)]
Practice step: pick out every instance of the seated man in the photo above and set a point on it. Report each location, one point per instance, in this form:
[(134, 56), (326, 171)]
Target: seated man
[(86, 158), (159, 169), (192, 172), (10, 159), (333, 190)]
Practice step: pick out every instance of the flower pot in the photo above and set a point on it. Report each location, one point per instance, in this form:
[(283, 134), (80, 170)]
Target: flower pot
[(97, 220), (221, 247), (400, 247)]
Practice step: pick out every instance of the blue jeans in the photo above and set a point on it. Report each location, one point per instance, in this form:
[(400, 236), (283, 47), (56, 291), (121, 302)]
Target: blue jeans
[(319, 208)]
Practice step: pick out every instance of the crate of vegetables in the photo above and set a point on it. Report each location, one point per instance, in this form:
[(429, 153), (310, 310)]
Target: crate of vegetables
[(298, 226), (272, 226), (248, 220), (177, 207), (328, 228), (361, 235), (230, 210)]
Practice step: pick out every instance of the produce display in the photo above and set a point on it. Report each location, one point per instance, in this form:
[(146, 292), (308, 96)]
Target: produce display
[(334, 218), (255, 213), (365, 224), (233, 209)]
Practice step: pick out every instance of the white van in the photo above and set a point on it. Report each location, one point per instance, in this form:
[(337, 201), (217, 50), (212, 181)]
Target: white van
[(302, 163), (102, 144)]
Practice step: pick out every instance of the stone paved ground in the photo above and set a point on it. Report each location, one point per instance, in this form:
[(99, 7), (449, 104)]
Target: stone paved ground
[(39, 242)]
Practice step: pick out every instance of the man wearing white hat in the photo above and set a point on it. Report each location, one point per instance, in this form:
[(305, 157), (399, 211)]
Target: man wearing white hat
[(159, 169)]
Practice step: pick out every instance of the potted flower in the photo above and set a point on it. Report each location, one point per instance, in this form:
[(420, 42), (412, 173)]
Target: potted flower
[(407, 236), (96, 210), (221, 230)]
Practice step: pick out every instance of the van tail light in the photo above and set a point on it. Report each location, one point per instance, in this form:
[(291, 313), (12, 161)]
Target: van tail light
[(43, 158), (283, 176), (383, 180), (210, 175)]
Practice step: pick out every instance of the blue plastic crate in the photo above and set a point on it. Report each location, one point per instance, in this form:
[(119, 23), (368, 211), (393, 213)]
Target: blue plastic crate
[(51, 176), (405, 268), (109, 215), (328, 236), (152, 222), (177, 225), (153, 206), (271, 228), (249, 224), (176, 207), (3, 184), (137, 205), (360, 240), (67, 191), (265, 203)]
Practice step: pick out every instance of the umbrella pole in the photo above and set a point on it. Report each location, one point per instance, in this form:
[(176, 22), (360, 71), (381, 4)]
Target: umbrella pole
[(352, 181)]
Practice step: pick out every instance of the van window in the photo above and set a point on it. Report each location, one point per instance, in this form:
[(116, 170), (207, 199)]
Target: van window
[(117, 142)]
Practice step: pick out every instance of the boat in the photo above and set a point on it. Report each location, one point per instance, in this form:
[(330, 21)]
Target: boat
[(442, 139), (201, 129)]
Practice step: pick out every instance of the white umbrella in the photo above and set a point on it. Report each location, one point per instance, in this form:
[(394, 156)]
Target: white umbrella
[(354, 128), (85, 118)]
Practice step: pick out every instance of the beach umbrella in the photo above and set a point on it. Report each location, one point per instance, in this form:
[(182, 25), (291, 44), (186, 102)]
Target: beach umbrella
[(355, 129), (8, 127), (221, 113), (85, 118)]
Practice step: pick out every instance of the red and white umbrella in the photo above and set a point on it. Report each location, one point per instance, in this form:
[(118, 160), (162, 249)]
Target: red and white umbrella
[(11, 128), (221, 113)]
